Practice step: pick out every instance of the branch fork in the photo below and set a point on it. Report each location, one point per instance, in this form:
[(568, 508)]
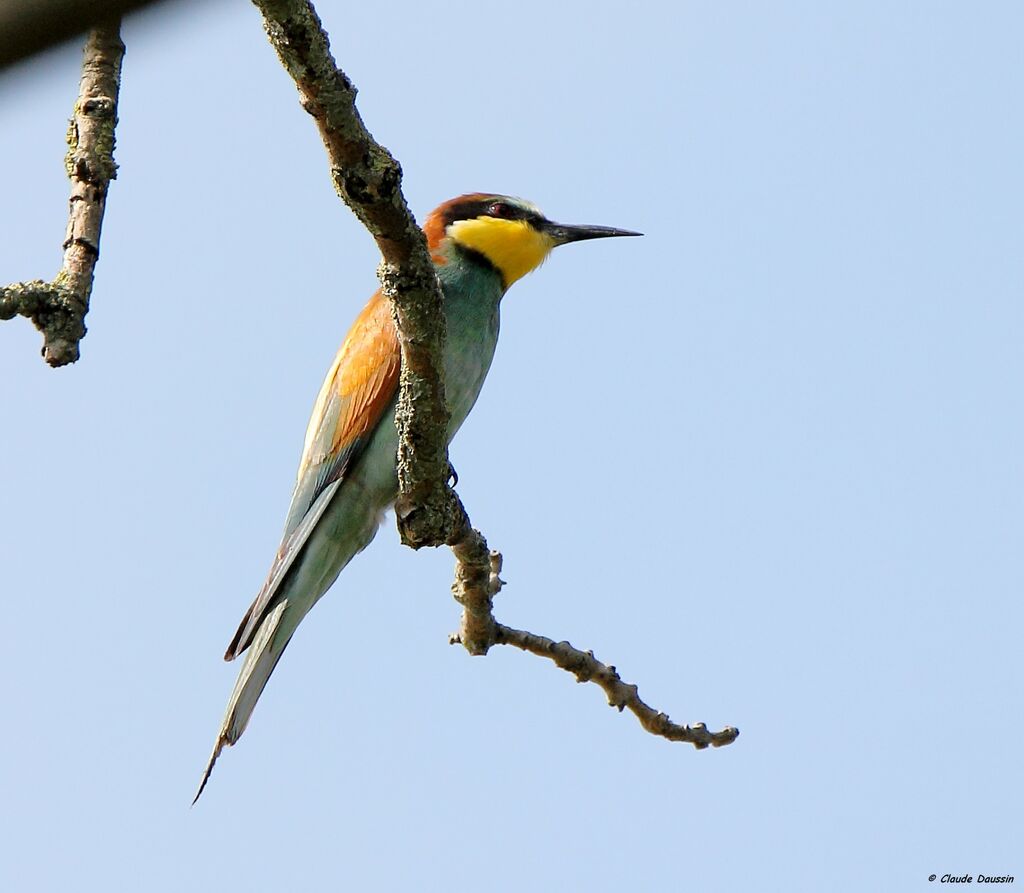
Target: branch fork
[(58, 308)]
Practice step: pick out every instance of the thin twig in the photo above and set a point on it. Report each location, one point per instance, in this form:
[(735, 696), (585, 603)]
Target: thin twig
[(621, 695), (58, 308)]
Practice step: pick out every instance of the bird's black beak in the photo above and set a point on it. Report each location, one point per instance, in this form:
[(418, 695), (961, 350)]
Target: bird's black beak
[(563, 233)]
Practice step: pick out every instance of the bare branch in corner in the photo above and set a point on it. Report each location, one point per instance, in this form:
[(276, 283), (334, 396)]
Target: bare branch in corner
[(58, 308)]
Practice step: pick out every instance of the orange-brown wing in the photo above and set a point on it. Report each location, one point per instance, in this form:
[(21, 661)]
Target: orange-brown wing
[(359, 386)]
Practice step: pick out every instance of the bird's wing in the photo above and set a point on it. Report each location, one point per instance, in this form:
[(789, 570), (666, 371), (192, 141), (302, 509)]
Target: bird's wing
[(358, 388)]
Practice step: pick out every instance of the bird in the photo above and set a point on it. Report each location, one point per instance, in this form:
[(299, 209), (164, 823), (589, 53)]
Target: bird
[(480, 245)]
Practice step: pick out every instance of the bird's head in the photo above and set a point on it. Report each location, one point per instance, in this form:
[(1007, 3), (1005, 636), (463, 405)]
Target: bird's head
[(510, 233)]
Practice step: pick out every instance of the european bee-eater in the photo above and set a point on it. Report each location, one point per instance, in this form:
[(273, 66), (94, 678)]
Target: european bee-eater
[(480, 244)]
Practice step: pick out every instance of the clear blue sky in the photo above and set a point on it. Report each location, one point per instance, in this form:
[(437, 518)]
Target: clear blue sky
[(766, 460)]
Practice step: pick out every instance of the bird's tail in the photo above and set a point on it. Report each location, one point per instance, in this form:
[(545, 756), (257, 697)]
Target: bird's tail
[(260, 660)]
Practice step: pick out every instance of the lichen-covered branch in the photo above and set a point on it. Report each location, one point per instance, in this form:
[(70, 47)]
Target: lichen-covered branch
[(58, 308), (368, 179)]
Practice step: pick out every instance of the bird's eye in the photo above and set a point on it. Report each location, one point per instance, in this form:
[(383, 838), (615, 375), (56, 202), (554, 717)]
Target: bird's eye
[(500, 209)]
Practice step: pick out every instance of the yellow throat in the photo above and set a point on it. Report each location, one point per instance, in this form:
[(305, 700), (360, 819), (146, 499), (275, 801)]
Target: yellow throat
[(513, 246)]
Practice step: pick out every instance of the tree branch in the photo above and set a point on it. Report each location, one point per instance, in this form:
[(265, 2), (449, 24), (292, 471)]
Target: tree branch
[(368, 179), (475, 589), (476, 584), (58, 308), (587, 668)]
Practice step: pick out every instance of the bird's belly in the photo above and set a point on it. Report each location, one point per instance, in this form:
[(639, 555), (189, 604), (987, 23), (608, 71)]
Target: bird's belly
[(468, 355), (352, 519), (372, 484)]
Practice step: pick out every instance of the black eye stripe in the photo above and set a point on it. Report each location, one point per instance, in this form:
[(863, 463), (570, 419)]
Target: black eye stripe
[(487, 208), (465, 211)]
